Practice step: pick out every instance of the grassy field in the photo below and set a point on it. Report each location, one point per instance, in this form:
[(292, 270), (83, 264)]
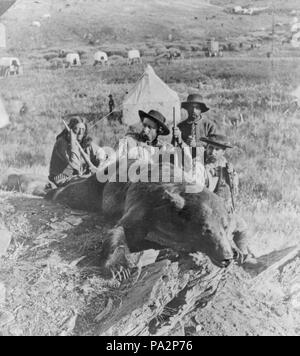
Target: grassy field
[(266, 151), (47, 292), (266, 144), (131, 21)]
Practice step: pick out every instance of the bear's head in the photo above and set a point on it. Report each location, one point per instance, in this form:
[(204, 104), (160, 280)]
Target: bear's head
[(198, 223)]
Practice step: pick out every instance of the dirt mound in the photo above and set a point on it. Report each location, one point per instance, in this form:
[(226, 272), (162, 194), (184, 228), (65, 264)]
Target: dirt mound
[(53, 285)]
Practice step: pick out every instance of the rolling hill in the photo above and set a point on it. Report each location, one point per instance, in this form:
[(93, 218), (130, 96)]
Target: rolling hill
[(5, 5), (64, 22)]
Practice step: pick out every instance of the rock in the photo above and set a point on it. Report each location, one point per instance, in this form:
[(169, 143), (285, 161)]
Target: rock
[(61, 226), (70, 325), (144, 258), (267, 265), (51, 235), (16, 331), (73, 220), (159, 299), (2, 293), (5, 239), (199, 328), (5, 318), (77, 261), (78, 213)]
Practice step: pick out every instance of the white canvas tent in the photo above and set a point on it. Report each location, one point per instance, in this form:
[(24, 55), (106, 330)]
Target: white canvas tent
[(150, 92), (4, 119)]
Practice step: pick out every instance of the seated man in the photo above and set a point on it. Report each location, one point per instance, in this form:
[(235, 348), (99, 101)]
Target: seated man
[(143, 146), (222, 179), (139, 145), (148, 154), (67, 161)]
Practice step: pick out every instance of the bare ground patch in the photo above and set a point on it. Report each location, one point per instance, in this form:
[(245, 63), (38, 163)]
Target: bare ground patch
[(54, 285)]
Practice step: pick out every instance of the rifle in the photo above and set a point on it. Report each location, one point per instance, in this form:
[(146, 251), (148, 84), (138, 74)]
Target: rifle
[(174, 126), (84, 155), (231, 185)]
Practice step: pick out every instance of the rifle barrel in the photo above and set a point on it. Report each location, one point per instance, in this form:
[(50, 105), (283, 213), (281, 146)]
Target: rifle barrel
[(174, 124)]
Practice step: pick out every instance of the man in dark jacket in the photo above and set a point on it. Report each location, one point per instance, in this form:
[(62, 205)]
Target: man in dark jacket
[(195, 126)]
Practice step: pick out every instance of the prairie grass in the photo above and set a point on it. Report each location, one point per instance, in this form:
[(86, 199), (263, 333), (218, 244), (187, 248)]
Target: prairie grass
[(266, 145), (45, 294)]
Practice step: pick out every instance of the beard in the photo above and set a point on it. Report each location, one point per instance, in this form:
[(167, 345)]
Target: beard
[(211, 159), (194, 117), (145, 137)]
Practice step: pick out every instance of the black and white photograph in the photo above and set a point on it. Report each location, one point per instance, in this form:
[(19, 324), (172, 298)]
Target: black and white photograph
[(149, 170)]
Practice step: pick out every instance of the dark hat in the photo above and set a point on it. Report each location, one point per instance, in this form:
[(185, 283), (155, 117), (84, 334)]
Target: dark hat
[(157, 117), (195, 99), (217, 140)]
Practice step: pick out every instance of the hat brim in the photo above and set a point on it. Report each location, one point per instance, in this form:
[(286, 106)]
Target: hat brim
[(164, 130), (186, 104), (214, 143)]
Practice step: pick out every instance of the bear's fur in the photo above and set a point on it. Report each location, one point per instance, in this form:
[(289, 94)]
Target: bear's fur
[(82, 194), (185, 222)]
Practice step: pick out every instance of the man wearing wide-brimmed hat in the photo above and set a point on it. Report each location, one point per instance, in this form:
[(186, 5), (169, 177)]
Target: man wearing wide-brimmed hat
[(137, 145), (219, 170), (222, 179), (195, 126)]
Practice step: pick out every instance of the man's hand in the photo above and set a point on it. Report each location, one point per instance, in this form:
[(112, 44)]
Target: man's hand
[(192, 141), (177, 135)]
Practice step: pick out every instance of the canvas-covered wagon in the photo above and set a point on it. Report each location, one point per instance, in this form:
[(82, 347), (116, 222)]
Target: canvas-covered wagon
[(10, 66), (100, 58), (134, 56)]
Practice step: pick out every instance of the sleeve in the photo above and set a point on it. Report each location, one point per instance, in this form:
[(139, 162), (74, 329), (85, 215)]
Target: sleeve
[(210, 128), (70, 157)]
